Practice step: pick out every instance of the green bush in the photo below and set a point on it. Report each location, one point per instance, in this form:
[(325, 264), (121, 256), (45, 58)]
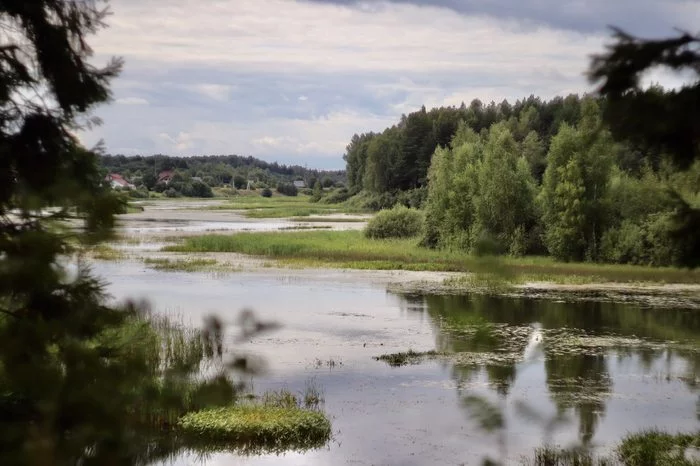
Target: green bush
[(399, 222), (337, 196), (288, 189), (138, 194)]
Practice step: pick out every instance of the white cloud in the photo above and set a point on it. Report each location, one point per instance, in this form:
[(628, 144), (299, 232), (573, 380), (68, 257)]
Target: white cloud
[(242, 61), (131, 101), (219, 92), (283, 35)]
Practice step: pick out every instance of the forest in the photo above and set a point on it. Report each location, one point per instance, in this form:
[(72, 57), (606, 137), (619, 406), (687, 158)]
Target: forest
[(541, 177)]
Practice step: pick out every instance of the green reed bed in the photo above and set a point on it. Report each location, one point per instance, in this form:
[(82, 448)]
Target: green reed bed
[(648, 448), (181, 265), (351, 249)]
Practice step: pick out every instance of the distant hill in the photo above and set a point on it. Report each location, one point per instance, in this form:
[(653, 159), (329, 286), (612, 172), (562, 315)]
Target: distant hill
[(215, 170)]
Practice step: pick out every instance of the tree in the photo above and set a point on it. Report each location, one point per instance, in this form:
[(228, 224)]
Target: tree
[(668, 120), (79, 380), (574, 187), (504, 205), (534, 152), (149, 180), (239, 182), (665, 121)]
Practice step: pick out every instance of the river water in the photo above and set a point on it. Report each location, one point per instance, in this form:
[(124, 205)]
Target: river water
[(554, 372)]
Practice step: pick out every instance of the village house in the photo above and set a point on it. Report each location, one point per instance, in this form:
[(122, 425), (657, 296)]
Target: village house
[(300, 184), (118, 182), (166, 176)]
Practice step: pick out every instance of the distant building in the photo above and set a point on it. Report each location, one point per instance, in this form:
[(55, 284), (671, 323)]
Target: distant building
[(300, 184), (118, 181), (166, 176)]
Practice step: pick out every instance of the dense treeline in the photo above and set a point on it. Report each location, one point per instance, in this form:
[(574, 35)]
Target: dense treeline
[(535, 177), (215, 170)]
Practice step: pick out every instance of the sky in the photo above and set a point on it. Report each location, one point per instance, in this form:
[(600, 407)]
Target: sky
[(292, 81)]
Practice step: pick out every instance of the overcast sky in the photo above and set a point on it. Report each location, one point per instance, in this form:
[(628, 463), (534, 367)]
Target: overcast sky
[(292, 81)]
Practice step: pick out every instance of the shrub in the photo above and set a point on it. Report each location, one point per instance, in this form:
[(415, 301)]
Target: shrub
[(199, 189), (138, 193), (399, 222), (171, 192), (266, 192), (337, 196), (288, 189), (239, 182)]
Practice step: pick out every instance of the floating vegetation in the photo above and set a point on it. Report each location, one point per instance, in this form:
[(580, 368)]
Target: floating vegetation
[(330, 363), (256, 429), (183, 265), (407, 357)]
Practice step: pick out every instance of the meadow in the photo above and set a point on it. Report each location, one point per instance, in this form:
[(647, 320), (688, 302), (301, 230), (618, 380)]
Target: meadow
[(351, 249)]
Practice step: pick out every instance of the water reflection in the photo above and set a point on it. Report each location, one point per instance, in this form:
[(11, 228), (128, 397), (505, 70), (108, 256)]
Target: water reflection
[(600, 370), (574, 342)]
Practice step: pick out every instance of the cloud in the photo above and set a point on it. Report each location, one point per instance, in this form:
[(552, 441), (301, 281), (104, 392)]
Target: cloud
[(220, 92), (131, 101), (222, 79), (646, 17)]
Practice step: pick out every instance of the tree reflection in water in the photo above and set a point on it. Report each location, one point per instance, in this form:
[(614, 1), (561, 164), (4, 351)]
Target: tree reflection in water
[(499, 338)]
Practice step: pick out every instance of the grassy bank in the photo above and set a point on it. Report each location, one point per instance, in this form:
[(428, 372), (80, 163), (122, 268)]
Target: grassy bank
[(256, 206), (350, 249)]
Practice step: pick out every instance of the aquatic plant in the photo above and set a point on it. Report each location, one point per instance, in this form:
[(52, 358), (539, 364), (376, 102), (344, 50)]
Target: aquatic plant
[(407, 357), (254, 429), (658, 448)]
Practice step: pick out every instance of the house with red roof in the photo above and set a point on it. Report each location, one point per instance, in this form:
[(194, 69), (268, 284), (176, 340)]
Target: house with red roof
[(166, 176), (118, 182)]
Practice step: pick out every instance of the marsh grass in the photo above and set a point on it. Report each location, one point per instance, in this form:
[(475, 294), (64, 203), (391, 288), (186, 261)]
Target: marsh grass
[(660, 448), (550, 456), (406, 358), (350, 249), (281, 207), (177, 355), (329, 219), (255, 429), (306, 227), (648, 448), (182, 265), (105, 253)]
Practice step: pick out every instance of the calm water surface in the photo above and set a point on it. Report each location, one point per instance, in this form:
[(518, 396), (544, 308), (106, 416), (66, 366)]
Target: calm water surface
[(558, 372)]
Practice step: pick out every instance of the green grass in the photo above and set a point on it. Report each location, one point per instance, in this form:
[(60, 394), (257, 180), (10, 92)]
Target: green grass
[(659, 448), (105, 253), (280, 206), (649, 448), (183, 265), (327, 219), (350, 249), (259, 428)]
